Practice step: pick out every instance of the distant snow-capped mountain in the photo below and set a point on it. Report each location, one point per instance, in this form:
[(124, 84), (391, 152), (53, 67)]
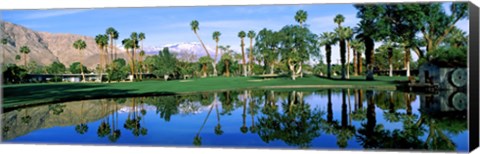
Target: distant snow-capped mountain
[(182, 49)]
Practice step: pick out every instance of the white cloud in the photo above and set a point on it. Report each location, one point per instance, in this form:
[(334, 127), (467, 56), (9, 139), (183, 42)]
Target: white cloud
[(52, 13)]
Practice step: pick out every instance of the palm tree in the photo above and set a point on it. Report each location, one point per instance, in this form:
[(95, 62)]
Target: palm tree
[(141, 55), (4, 42), (134, 37), (216, 37), (251, 35), (348, 36), (204, 61), (195, 27), (242, 35), (341, 32), (25, 50), (357, 47), (80, 45), (128, 44), (141, 37), (301, 17), (365, 30), (113, 35), (102, 42), (227, 60), (328, 39)]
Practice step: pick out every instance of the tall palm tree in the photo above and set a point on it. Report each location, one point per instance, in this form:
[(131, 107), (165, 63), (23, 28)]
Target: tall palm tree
[(242, 35), (339, 19), (357, 46), (80, 45), (141, 37), (348, 34), (128, 44), (195, 27), (113, 35), (102, 42), (25, 50), (328, 39), (301, 17), (4, 42), (134, 38), (140, 62), (251, 34), (216, 38)]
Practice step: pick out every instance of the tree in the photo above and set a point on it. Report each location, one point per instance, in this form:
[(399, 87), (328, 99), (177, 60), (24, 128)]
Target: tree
[(328, 39), (367, 32), (301, 17), (204, 61), (77, 67), (25, 50), (102, 43), (298, 43), (80, 45), (344, 35), (216, 38), (140, 62), (18, 57), (165, 64), (141, 37), (129, 44), (113, 35), (267, 45), (56, 68), (341, 34), (357, 47), (195, 27), (242, 35), (227, 60), (251, 34)]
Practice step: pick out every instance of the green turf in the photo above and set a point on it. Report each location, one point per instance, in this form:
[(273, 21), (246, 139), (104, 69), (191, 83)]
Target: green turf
[(29, 94)]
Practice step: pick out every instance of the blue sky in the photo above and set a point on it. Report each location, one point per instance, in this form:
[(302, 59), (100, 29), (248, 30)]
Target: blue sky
[(167, 25)]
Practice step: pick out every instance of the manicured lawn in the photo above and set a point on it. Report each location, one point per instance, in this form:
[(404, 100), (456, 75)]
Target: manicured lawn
[(29, 94)]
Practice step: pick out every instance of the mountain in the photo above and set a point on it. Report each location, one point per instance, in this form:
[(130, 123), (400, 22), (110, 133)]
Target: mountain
[(46, 48), (183, 50)]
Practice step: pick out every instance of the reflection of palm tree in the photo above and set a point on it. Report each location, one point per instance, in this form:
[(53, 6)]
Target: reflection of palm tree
[(329, 107), (83, 127), (218, 128), (244, 128), (104, 128), (197, 140), (345, 131), (253, 128), (116, 133)]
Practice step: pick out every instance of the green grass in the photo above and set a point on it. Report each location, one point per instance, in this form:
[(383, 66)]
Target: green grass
[(30, 94)]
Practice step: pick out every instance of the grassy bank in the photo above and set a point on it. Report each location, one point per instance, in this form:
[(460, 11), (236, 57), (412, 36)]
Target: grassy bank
[(29, 94)]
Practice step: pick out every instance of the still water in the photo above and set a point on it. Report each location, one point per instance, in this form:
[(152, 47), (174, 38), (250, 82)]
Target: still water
[(314, 119)]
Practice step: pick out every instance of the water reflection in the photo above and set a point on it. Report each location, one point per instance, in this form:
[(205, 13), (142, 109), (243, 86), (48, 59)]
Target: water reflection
[(355, 119)]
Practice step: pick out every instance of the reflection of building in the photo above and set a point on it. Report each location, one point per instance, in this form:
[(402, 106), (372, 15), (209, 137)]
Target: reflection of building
[(445, 77), (444, 101)]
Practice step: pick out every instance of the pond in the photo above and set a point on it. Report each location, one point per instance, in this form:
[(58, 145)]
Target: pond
[(314, 118)]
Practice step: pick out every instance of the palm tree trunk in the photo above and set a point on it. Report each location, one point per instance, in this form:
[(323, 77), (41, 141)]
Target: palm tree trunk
[(81, 67), (227, 68), (355, 63), (25, 59), (250, 61), (204, 70), (359, 63), (203, 45), (243, 60), (214, 63), (348, 59)]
